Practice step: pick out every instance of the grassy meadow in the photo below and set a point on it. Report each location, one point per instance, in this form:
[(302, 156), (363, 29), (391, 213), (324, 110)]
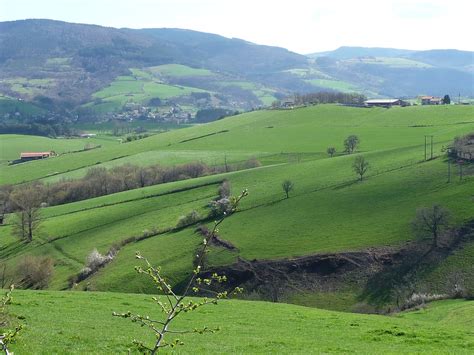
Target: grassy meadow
[(11, 145), (246, 327), (328, 211)]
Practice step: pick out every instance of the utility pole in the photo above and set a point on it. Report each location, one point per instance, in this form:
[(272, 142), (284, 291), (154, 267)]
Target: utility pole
[(425, 148), (431, 147), (449, 171)]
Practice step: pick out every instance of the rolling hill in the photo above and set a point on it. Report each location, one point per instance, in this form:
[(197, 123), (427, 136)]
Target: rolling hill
[(328, 216)]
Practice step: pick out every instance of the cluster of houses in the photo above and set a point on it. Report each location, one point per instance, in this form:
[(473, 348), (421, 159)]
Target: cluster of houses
[(424, 100), (135, 111), (431, 100)]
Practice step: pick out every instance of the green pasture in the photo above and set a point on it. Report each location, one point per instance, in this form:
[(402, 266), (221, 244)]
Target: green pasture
[(333, 85), (307, 130), (29, 87), (11, 106), (82, 322), (328, 211), (105, 128), (166, 158), (137, 88), (178, 70), (11, 145), (391, 62)]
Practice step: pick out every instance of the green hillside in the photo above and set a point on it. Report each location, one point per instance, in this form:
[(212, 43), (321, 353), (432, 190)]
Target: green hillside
[(11, 145), (246, 327), (328, 211), (304, 131)]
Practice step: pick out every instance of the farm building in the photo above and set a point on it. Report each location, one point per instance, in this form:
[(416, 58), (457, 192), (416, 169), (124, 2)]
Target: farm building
[(385, 102), (27, 156), (431, 100)]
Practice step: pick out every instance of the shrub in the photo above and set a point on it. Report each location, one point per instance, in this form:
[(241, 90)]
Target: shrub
[(95, 260), (35, 271), (189, 219), (418, 299), (220, 207), (252, 163), (224, 189)]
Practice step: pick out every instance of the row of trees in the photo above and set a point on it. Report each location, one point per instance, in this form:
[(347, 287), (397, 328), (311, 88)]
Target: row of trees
[(26, 200), (100, 181), (350, 145), (328, 97)]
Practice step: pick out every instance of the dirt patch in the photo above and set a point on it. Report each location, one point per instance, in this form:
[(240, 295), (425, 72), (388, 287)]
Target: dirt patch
[(378, 273)]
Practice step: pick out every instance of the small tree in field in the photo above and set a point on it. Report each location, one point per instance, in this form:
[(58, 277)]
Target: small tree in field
[(331, 151), (360, 166), (287, 186), (173, 305), (351, 143), (27, 219), (431, 222)]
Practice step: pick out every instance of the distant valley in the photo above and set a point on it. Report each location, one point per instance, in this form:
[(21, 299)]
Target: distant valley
[(92, 73)]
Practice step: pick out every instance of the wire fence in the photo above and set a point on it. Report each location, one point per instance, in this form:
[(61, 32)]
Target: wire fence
[(459, 170)]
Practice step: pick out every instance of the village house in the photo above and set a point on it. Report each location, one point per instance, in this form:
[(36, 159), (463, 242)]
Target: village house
[(431, 100), (385, 102)]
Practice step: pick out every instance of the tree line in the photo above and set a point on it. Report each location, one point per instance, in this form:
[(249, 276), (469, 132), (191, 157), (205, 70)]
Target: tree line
[(329, 97), (27, 199)]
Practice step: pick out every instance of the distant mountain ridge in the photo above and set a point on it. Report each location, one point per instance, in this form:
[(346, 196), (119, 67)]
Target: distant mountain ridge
[(444, 58), (71, 66)]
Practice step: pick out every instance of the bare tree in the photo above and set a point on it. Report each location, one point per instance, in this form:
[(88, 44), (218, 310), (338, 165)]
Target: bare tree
[(287, 186), (27, 201), (431, 222), (360, 166), (5, 201), (351, 143), (331, 151)]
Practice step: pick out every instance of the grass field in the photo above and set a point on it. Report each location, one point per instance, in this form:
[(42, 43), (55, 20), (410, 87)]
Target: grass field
[(303, 131), (11, 145), (78, 322), (140, 87), (178, 70), (11, 106), (391, 62), (333, 85), (327, 212)]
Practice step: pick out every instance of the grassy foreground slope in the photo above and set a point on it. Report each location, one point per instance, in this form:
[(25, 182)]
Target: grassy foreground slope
[(73, 322)]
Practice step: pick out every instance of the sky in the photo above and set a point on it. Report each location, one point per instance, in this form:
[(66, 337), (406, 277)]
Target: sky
[(302, 26)]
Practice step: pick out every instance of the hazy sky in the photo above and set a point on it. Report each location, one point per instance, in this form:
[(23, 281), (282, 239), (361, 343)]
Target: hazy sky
[(299, 25)]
